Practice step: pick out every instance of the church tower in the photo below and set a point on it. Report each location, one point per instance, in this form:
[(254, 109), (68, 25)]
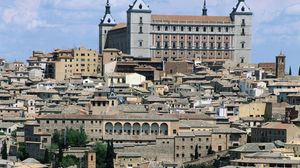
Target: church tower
[(106, 24), (241, 16), (280, 65), (138, 29)]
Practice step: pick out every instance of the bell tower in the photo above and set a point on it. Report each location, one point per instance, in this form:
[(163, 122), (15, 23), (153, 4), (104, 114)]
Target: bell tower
[(106, 24), (280, 65)]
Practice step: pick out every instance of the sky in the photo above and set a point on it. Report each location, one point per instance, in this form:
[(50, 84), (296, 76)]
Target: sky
[(44, 25)]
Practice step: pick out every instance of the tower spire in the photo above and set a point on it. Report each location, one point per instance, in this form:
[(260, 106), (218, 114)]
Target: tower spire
[(204, 10), (107, 11)]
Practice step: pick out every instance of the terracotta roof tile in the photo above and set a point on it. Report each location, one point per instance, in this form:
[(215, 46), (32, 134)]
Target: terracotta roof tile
[(195, 19), (119, 26)]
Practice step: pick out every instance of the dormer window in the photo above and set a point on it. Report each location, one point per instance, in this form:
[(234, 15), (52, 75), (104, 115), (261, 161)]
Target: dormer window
[(243, 9)]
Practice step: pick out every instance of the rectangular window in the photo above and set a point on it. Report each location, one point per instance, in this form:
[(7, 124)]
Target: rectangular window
[(243, 22), (226, 45), (174, 28), (158, 44), (243, 32), (181, 45), (174, 45), (190, 45), (141, 29), (141, 20), (166, 45), (141, 43), (243, 45), (219, 45), (211, 45)]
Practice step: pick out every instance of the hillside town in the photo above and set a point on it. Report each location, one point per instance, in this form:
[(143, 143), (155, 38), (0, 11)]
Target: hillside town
[(162, 92)]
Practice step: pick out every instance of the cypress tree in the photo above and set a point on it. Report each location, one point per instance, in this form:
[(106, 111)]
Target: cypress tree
[(110, 155), (210, 151), (46, 156), (290, 71), (299, 71), (4, 151), (196, 153)]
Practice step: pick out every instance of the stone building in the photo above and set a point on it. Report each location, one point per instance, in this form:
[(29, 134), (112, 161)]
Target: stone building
[(65, 64), (273, 131), (170, 37)]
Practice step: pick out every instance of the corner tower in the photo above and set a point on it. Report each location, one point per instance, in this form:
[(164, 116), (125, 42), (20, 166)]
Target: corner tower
[(106, 24), (138, 29), (241, 16)]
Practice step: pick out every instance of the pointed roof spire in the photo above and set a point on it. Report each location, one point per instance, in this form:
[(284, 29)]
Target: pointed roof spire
[(204, 10), (108, 19), (107, 10)]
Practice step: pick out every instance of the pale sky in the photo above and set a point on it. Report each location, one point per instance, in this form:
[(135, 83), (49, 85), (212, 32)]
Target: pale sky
[(27, 25)]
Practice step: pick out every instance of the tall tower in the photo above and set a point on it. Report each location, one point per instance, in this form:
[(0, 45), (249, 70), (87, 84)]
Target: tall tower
[(241, 16), (138, 27), (106, 24), (280, 65), (90, 159), (204, 10)]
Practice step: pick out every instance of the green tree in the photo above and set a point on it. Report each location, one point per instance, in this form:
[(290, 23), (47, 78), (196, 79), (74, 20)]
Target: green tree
[(100, 149), (110, 154), (46, 156), (76, 138), (299, 71), (56, 138), (14, 134), (210, 151), (4, 151), (70, 137), (69, 160), (290, 71), (22, 153), (196, 157)]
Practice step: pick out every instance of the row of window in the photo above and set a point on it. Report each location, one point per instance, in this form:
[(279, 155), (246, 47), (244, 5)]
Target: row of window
[(174, 37), (191, 147), (183, 155), (192, 139), (71, 121), (196, 45), (192, 28), (190, 53), (83, 60), (83, 54)]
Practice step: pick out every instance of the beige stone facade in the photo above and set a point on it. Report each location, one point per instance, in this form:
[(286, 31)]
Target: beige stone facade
[(75, 62)]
